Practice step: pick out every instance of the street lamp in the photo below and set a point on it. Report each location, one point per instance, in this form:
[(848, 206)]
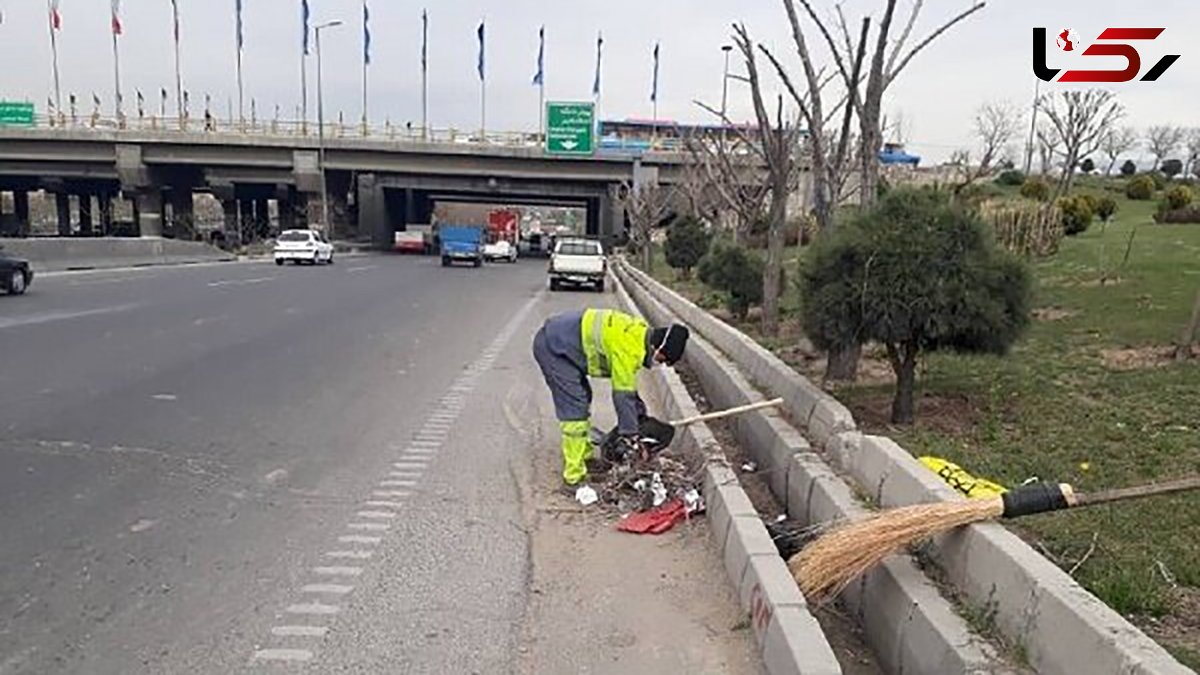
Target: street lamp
[(321, 131), (725, 82)]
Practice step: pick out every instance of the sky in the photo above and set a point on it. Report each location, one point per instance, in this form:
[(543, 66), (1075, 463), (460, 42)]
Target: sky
[(986, 58)]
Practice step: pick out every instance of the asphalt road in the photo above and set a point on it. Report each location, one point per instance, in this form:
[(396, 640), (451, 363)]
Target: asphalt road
[(203, 469)]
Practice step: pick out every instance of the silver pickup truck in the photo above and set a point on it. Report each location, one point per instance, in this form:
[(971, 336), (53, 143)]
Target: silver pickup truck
[(578, 262)]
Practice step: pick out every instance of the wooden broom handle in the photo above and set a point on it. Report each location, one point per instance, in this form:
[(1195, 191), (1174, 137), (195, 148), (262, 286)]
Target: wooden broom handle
[(1121, 494), (749, 407)]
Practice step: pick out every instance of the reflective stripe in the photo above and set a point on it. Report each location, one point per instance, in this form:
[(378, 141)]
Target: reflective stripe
[(598, 339)]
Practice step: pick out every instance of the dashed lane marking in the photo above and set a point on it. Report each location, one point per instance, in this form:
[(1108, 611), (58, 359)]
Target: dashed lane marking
[(350, 555), (385, 504), (313, 608), (369, 527), (332, 589), (300, 631), (376, 514), (338, 571), (359, 539), (283, 655)]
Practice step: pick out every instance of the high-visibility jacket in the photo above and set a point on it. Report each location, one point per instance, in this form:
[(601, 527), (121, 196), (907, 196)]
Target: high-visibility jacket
[(615, 346)]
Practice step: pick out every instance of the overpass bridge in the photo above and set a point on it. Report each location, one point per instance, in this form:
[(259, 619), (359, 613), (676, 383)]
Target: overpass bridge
[(376, 186)]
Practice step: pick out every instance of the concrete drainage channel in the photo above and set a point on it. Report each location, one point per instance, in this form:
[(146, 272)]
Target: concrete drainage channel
[(1054, 625)]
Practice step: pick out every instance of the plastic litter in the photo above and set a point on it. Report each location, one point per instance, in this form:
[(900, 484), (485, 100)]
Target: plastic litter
[(586, 496), (693, 502), (750, 467), (658, 489)]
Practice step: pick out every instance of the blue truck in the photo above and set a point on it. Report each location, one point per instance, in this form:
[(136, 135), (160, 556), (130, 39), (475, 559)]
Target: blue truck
[(461, 243)]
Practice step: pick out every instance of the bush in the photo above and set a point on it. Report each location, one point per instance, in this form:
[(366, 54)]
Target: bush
[(1106, 208), (1012, 178), (1087, 166), (1160, 181), (916, 272), (1140, 188), (1036, 189), (687, 242), (1077, 213), (737, 273), (1184, 216), (1178, 197), (1172, 168), (1128, 168)]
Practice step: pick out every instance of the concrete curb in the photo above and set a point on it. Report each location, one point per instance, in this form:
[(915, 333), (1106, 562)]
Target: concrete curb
[(908, 624), (1061, 627), (54, 255), (789, 638)]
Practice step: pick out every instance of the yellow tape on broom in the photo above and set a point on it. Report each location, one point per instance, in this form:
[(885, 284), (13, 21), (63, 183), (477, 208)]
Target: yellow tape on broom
[(959, 479)]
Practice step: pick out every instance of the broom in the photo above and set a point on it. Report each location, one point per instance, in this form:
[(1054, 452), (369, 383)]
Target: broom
[(826, 566)]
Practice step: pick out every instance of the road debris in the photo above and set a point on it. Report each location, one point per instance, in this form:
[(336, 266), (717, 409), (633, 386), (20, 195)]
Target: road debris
[(586, 495)]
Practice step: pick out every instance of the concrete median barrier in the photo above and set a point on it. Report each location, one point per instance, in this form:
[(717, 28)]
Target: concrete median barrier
[(57, 255)]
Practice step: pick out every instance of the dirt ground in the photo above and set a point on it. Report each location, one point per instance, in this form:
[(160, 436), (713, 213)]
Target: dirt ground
[(603, 601)]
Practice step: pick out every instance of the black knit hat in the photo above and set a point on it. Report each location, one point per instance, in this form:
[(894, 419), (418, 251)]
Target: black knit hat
[(670, 341)]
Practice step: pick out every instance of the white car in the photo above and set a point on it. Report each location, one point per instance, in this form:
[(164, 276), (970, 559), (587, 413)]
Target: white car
[(501, 250), (303, 246)]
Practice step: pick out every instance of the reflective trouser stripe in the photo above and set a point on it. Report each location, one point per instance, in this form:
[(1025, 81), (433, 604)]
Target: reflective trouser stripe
[(576, 449), (597, 339)]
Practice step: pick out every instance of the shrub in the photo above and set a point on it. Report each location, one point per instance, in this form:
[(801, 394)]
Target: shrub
[(1012, 178), (916, 272), (1172, 168), (1128, 168), (737, 273), (1187, 215), (1106, 208), (1087, 165), (1160, 181), (1077, 213), (1140, 188), (687, 242), (1036, 189), (1178, 197)]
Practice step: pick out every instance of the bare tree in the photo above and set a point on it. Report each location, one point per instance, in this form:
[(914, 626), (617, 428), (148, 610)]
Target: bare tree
[(1162, 140), (646, 205), (1116, 143), (1193, 149), (1049, 144), (729, 172), (1183, 350), (1081, 119), (996, 125)]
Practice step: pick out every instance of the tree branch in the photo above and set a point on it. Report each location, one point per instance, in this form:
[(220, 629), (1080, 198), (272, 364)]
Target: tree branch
[(932, 36)]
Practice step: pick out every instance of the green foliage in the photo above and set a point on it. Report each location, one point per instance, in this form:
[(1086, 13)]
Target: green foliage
[(1189, 215), (1171, 168), (1128, 168), (1087, 165), (1011, 178), (916, 272), (1140, 188), (1178, 197), (735, 272), (1036, 189), (1106, 208), (687, 242), (1077, 213), (1160, 181)]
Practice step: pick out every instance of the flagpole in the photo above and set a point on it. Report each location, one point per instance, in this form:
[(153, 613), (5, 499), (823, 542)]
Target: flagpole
[(304, 73), (116, 68), (241, 91), (54, 56), (366, 62), (424, 75), (483, 80), (178, 72)]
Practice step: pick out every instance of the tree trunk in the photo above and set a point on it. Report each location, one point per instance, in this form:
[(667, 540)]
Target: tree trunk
[(777, 220), (905, 365), (842, 364), (1183, 350), (647, 256)]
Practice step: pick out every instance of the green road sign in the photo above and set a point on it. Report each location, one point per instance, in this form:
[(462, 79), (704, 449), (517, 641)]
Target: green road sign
[(570, 128), (14, 114)]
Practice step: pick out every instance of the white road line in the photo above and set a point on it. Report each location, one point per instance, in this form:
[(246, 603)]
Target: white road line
[(359, 539), (240, 282), (333, 589), (405, 474), (386, 505), (410, 465), (46, 317), (313, 608), (299, 631), (370, 527), (381, 515), (438, 425), (354, 555), (398, 483), (426, 443), (338, 571), (352, 270), (391, 493), (283, 655)]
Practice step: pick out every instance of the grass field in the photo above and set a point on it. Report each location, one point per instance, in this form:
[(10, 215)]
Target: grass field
[(1086, 397)]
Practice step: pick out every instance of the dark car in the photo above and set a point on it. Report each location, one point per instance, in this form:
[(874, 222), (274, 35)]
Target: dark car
[(15, 275)]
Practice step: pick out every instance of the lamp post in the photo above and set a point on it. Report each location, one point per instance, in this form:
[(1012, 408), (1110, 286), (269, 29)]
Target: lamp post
[(725, 83), (321, 131)]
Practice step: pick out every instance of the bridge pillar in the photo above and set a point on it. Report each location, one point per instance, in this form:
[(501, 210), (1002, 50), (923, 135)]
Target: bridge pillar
[(105, 207), (21, 212), (85, 215), (149, 209), (285, 208), (183, 213), (372, 212), (229, 206), (246, 219), (262, 218), (62, 202)]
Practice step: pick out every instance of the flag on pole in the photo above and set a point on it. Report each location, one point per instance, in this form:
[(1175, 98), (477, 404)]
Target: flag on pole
[(482, 76), (540, 77), (55, 15), (305, 14), (116, 17), (424, 40), (366, 34), (654, 90), (238, 8), (175, 14), (599, 46)]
